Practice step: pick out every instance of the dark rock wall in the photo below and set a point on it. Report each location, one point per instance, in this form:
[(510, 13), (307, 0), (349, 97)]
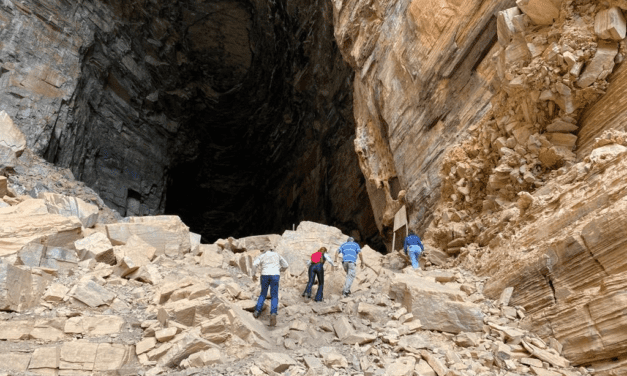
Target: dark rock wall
[(235, 115)]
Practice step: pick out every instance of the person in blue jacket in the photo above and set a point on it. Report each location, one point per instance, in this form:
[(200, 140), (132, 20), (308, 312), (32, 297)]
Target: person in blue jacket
[(349, 251), (413, 248)]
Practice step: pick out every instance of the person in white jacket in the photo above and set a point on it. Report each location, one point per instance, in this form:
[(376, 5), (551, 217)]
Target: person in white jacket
[(272, 264)]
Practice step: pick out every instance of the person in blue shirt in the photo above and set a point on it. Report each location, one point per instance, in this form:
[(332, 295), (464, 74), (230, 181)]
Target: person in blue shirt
[(349, 252), (413, 248)]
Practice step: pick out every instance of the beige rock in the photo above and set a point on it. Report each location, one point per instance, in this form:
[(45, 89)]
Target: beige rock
[(55, 293), (145, 345), (78, 355), (189, 344), (158, 352), (31, 254), (275, 362), (505, 26), (216, 330), (194, 242), (96, 246), (424, 369), (30, 221), (541, 12), (10, 135), (68, 206), (92, 294), (370, 311), (606, 153), (19, 289), (565, 140), (258, 242), (211, 256), (94, 325), (506, 295), (168, 234), (403, 366), (164, 335), (334, 359), (297, 246), (554, 359), (16, 329), (438, 307), (111, 357), (206, 358), (610, 24), (435, 363), (531, 362), (343, 327), (15, 361), (561, 126), (601, 64), (45, 357), (544, 372)]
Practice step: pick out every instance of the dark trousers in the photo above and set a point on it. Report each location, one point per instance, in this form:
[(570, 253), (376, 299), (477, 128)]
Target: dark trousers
[(315, 270)]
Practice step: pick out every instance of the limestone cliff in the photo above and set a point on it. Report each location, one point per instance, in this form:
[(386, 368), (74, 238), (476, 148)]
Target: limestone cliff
[(502, 122)]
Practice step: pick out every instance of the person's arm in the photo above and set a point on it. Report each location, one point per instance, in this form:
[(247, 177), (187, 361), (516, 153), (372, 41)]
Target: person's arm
[(405, 245), (255, 265), (328, 258), (339, 250), (361, 257), (283, 263)]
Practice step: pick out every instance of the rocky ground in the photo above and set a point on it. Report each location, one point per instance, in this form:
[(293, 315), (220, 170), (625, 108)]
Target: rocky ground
[(84, 293)]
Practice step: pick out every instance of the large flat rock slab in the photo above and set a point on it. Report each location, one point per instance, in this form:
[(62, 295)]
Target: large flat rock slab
[(30, 220), (437, 306)]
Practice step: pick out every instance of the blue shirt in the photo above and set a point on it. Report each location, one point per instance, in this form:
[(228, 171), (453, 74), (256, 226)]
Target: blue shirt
[(412, 240), (349, 251)]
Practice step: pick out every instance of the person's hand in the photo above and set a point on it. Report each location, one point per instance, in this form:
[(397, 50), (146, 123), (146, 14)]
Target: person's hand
[(255, 278)]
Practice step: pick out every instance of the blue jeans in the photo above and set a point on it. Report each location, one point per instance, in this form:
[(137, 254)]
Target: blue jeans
[(271, 281), (414, 252), (316, 270)]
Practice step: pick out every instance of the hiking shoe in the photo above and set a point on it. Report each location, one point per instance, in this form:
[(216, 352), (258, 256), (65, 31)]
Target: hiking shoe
[(272, 320), (256, 314)]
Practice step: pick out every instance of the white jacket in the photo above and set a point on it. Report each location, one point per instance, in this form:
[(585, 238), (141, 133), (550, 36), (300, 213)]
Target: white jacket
[(271, 263)]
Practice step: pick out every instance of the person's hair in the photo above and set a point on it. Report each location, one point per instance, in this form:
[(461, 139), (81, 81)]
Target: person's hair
[(351, 239), (323, 249)]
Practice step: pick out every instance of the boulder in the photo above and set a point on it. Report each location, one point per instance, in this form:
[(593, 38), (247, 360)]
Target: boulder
[(92, 294), (257, 243), (211, 255), (438, 307), (205, 358), (96, 246), (29, 221), (194, 242), (610, 24), (297, 246), (167, 233), (45, 357), (111, 357), (55, 293), (133, 255), (94, 325), (187, 345), (541, 12), (10, 135), (78, 355), (601, 64), (275, 362), (19, 289), (68, 206)]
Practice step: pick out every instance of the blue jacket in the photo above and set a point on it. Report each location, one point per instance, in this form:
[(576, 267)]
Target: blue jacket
[(413, 240)]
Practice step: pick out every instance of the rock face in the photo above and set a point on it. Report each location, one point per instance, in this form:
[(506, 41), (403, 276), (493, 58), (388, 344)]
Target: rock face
[(147, 107)]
